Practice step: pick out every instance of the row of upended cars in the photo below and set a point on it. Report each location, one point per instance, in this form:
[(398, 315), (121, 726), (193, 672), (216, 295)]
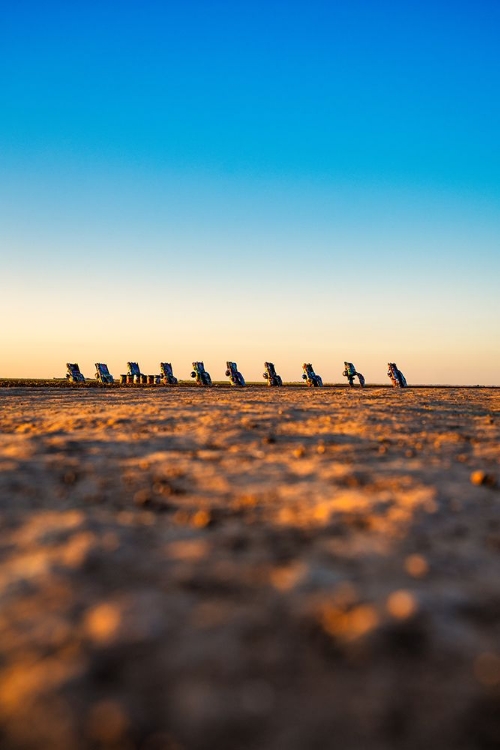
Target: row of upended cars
[(134, 376)]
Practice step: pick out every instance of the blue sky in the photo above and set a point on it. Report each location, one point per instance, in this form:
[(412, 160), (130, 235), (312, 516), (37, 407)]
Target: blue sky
[(268, 180)]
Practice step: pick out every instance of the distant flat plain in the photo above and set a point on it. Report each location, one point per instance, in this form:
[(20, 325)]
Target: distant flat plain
[(249, 568)]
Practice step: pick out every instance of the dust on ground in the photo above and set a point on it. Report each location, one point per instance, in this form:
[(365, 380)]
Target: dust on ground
[(184, 569)]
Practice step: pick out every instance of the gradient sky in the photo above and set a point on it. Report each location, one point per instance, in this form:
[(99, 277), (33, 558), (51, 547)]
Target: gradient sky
[(290, 181)]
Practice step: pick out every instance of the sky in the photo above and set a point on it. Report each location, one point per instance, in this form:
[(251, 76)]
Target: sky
[(277, 180)]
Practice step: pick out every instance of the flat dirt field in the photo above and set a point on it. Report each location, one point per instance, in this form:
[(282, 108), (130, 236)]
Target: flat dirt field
[(274, 569)]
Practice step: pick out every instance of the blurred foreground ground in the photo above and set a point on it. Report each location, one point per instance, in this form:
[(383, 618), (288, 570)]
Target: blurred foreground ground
[(185, 569)]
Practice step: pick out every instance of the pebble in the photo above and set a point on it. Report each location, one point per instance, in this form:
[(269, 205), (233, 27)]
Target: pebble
[(401, 604), (482, 479)]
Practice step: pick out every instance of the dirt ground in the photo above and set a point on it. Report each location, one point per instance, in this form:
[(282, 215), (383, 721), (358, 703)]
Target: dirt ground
[(271, 569)]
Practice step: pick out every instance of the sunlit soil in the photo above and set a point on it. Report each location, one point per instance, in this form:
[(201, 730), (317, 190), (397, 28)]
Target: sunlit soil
[(263, 568)]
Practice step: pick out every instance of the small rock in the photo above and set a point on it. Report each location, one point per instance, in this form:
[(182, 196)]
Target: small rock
[(482, 479), (416, 566), (487, 669), (401, 604)]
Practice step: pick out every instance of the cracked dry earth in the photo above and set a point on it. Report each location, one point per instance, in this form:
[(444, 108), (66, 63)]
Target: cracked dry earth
[(185, 569)]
